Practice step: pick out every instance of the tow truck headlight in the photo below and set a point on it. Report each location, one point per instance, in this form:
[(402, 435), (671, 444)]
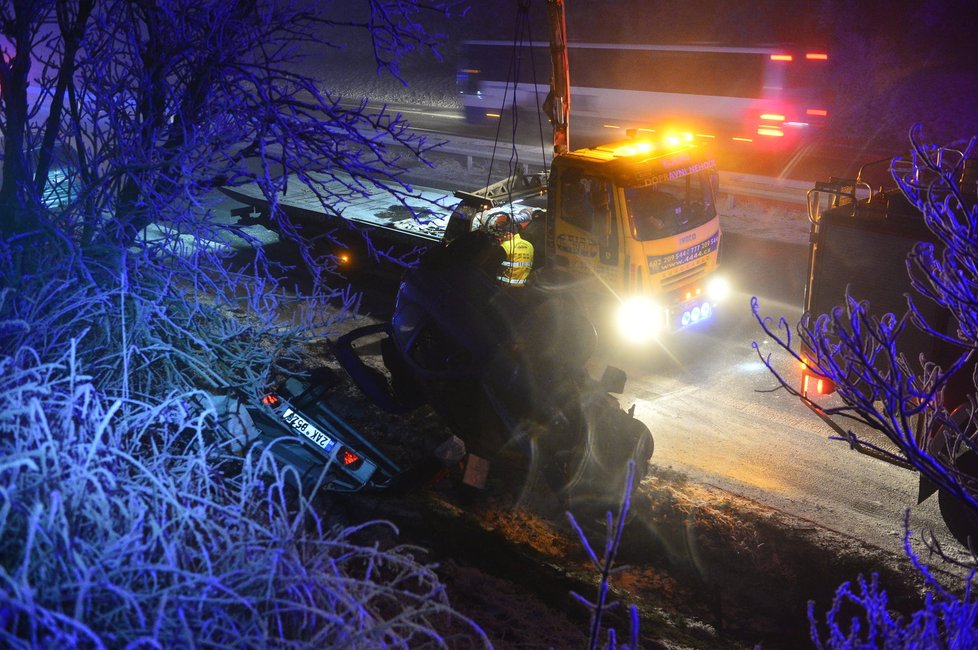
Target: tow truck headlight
[(718, 289), (639, 319)]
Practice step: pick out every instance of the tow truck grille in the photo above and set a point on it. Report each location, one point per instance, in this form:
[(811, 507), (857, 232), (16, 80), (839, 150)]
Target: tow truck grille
[(681, 279)]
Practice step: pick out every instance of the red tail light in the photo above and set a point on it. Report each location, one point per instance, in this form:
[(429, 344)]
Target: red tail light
[(271, 400), (350, 459), (813, 384)]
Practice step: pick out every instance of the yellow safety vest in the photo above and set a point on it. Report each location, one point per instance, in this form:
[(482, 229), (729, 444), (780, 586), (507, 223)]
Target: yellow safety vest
[(515, 269)]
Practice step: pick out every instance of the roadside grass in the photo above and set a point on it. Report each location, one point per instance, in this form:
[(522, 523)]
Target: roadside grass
[(126, 523)]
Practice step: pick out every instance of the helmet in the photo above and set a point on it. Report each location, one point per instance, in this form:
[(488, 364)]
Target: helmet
[(499, 224), (523, 217)]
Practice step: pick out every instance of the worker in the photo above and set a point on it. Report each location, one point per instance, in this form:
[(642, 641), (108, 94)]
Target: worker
[(515, 269)]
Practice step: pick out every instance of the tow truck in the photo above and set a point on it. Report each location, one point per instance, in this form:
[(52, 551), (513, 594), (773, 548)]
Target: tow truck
[(862, 231), (632, 225)]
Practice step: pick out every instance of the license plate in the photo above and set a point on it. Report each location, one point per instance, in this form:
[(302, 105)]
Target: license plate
[(298, 423)]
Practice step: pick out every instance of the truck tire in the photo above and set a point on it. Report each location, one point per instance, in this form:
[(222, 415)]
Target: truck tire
[(960, 518), (614, 438)]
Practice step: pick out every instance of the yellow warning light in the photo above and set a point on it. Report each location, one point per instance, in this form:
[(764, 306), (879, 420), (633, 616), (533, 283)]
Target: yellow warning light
[(817, 56), (772, 117), (781, 57), (492, 114), (668, 141), (635, 148)]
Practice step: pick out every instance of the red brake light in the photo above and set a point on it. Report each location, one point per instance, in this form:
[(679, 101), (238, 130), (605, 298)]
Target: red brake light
[(819, 112), (812, 384), (271, 400)]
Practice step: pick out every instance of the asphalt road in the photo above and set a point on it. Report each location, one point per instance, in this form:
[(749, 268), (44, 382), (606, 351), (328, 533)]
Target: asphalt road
[(718, 416)]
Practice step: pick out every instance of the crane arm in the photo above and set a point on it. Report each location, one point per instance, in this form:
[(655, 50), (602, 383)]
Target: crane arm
[(559, 100)]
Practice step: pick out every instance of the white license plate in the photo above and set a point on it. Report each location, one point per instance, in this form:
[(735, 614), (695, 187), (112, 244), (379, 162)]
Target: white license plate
[(297, 422)]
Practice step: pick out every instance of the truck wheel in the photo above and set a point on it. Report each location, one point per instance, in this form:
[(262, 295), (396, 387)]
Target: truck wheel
[(961, 520), (600, 478)]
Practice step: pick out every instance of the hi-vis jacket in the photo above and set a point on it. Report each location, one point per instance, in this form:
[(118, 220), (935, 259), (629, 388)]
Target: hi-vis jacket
[(515, 270)]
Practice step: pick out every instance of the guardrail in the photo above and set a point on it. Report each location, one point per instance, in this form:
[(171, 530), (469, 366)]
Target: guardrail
[(733, 185)]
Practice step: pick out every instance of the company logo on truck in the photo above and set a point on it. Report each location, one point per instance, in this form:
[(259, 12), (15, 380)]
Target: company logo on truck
[(660, 263), (673, 174), (575, 245)]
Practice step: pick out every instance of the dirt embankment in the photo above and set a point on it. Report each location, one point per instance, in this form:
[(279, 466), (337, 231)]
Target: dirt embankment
[(705, 568)]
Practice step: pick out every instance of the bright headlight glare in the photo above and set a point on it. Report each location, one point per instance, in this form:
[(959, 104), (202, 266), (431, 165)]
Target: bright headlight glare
[(718, 289), (639, 319)]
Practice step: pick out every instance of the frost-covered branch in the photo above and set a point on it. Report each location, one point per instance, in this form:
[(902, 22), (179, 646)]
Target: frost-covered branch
[(925, 406)]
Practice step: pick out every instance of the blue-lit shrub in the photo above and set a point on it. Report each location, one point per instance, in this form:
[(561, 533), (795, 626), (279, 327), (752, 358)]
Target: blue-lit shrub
[(861, 616), (123, 523)]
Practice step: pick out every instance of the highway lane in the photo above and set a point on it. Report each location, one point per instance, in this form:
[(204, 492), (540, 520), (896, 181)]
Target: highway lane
[(823, 155)]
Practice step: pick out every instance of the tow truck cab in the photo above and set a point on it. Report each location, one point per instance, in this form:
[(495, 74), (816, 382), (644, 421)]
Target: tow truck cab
[(637, 220)]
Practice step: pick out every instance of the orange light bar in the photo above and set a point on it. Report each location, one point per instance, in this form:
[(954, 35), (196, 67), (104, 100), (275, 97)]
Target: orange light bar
[(471, 70), (770, 131), (736, 139), (781, 57), (610, 126), (634, 149), (773, 117), (492, 114), (820, 112), (270, 400), (817, 56)]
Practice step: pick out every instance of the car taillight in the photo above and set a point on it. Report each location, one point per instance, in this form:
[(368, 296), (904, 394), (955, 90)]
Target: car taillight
[(350, 459), (271, 400), (815, 384)]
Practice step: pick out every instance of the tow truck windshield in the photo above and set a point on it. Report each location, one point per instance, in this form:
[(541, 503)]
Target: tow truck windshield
[(666, 209)]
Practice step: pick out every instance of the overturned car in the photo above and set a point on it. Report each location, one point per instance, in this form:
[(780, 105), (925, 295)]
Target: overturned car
[(505, 368)]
